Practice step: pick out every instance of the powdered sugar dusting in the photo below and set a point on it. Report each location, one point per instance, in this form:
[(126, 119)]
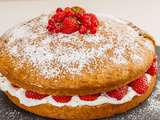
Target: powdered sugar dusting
[(61, 53), (118, 56), (13, 50), (136, 58), (20, 33)]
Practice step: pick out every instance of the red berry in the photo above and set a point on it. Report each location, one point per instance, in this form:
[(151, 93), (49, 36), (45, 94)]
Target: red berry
[(70, 25), (51, 22), (89, 97), (58, 10), (153, 68), (55, 28), (79, 15), (68, 11), (118, 93), (83, 30), (50, 28), (90, 21), (86, 20), (71, 20), (34, 95), (68, 14), (140, 85), (93, 30), (95, 23), (94, 20), (58, 17), (62, 99), (58, 27)]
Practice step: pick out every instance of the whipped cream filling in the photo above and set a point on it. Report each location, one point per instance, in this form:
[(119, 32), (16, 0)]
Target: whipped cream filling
[(6, 86)]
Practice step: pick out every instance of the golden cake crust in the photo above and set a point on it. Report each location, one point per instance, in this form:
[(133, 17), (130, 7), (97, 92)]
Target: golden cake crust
[(75, 64), (85, 112)]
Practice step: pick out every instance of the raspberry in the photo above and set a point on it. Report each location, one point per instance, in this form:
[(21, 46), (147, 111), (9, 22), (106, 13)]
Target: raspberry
[(58, 10), (54, 27), (83, 30), (89, 97), (79, 15), (50, 28), (93, 30), (62, 99), (68, 11), (34, 95), (118, 93), (70, 25), (86, 20), (58, 17), (58, 27), (90, 21), (94, 20), (153, 68), (140, 85), (51, 25), (51, 22)]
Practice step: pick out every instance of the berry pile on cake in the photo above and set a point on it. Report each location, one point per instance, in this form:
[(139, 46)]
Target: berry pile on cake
[(71, 64), (71, 20)]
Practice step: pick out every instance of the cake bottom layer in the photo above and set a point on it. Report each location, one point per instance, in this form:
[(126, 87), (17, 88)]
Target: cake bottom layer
[(84, 112)]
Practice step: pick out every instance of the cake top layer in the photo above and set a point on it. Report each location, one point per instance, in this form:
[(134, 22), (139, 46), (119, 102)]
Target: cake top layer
[(54, 54), (116, 50)]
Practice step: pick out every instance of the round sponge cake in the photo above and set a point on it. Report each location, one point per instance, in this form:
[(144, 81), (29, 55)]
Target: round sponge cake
[(77, 76), (61, 64)]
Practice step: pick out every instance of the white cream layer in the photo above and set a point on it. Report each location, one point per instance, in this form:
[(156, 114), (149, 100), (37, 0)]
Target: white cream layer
[(19, 93)]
